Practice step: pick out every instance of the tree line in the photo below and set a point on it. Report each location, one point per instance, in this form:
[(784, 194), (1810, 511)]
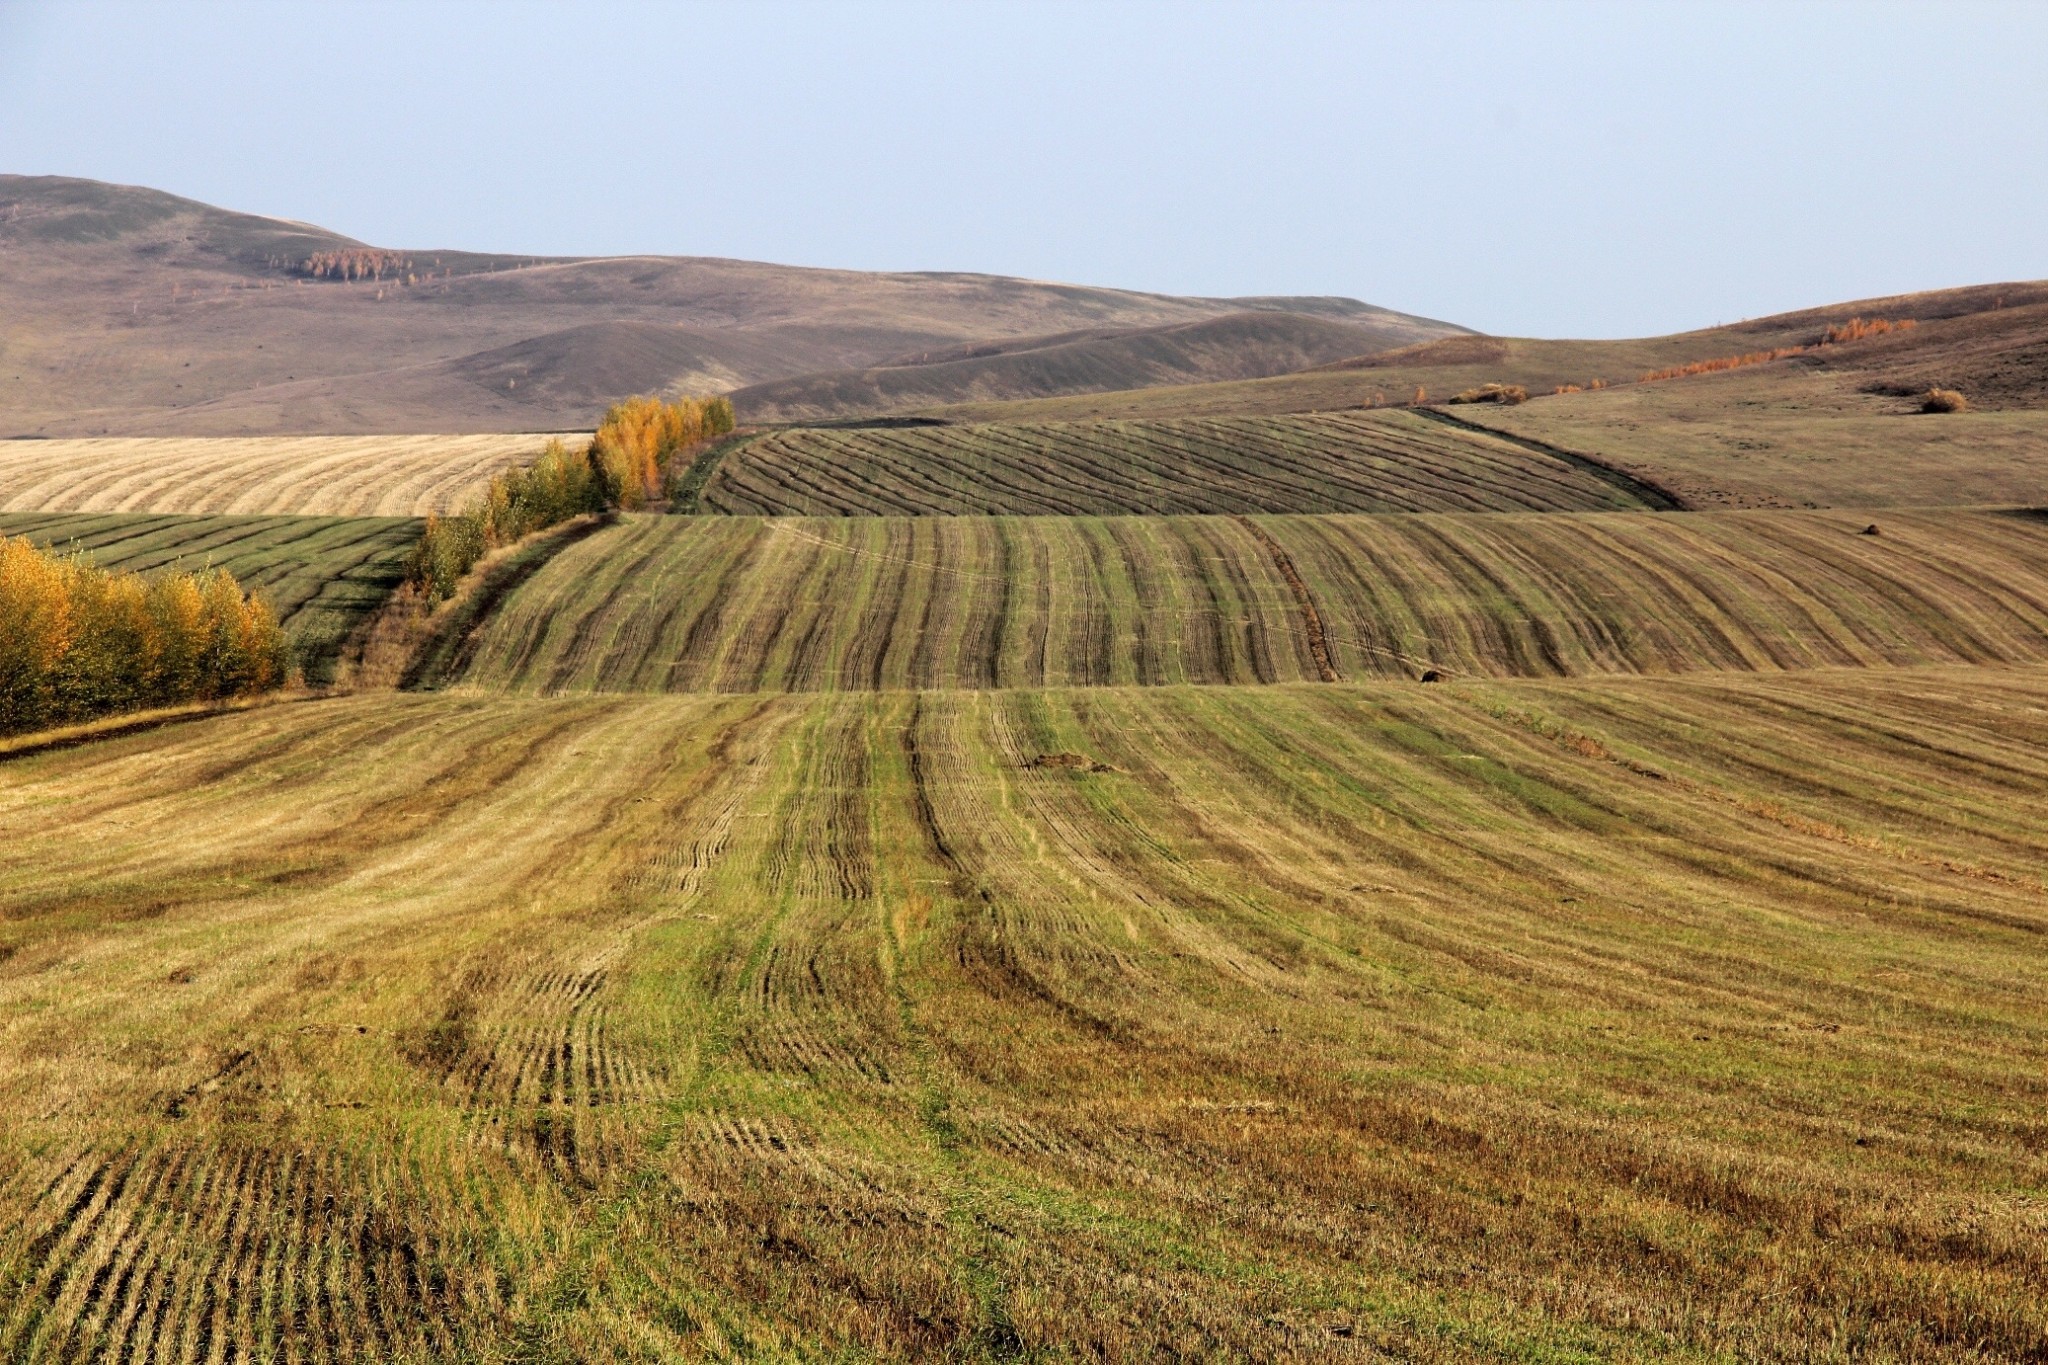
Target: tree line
[(628, 463), (78, 641)]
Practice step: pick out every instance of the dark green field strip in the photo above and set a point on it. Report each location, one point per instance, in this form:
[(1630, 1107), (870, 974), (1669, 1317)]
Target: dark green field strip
[(725, 604), (1632, 1020), (748, 604), (320, 574), (1338, 462)]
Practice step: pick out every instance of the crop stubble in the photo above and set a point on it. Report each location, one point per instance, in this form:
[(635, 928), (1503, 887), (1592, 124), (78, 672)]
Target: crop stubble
[(342, 476), (1662, 1016), (1332, 462), (746, 604)]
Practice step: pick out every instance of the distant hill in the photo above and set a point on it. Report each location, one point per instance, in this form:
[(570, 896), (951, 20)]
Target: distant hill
[(1247, 345), (1990, 341), (130, 311)]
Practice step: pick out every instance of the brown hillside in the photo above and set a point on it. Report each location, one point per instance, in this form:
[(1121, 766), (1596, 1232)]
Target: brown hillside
[(1989, 337), (1247, 345), (130, 311)]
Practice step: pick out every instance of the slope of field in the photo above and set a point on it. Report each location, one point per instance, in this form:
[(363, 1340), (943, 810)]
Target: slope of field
[(1239, 346), (321, 575), (1527, 1021), (1788, 436), (134, 312), (741, 604), (1349, 462), (340, 476)]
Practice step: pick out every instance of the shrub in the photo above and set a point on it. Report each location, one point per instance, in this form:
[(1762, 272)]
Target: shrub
[(1855, 329), (78, 641), (1493, 393), (1944, 400)]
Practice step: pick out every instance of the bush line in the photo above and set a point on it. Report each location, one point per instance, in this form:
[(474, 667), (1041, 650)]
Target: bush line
[(629, 462), (78, 642)]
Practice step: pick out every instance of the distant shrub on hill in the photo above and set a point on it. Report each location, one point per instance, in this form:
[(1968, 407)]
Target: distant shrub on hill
[(1855, 329), (1493, 393), (1944, 400), (78, 641), (354, 263)]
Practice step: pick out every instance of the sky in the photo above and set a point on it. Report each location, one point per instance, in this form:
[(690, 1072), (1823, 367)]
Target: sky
[(1567, 169)]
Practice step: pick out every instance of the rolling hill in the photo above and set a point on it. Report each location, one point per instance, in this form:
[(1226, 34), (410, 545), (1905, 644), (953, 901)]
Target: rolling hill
[(130, 311), (1986, 339), (1247, 345)]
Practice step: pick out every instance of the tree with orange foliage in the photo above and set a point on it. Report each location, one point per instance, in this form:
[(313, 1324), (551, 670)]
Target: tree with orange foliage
[(77, 641)]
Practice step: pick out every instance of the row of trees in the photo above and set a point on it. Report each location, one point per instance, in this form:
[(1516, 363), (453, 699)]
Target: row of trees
[(78, 641), (628, 463), (638, 440), (355, 263)]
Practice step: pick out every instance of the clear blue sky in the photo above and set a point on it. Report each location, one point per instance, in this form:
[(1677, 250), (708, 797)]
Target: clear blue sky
[(1549, 169)]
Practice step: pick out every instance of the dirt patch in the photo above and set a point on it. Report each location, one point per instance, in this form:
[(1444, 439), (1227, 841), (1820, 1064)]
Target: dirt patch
[(1079, 763)]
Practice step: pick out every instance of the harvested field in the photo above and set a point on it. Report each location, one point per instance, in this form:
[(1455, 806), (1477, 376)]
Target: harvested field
[(321, 575), (341, 476), (732, 604), (1336, 462), (1668, 1018)]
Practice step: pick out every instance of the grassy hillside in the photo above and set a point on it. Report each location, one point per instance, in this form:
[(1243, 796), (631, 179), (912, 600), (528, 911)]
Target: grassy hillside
[(1639, 1020), (348, 476), (1362, 462), (321, 575), (1792, 438), (740, 604), (1239, 346)]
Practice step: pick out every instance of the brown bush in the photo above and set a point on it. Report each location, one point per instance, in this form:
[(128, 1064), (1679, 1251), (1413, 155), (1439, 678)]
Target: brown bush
[(1944, 400), (1493, 393)]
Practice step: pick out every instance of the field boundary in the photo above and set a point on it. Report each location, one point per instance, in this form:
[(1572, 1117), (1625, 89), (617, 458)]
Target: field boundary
[(683, 501), (1658, 497), (450, 635), (140, 722)]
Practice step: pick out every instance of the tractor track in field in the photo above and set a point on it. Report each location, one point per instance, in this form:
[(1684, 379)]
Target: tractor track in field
[(1311, 619)]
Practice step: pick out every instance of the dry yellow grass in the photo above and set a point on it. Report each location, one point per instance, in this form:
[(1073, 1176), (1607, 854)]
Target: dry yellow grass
[(1639, 1019), (343, 476)]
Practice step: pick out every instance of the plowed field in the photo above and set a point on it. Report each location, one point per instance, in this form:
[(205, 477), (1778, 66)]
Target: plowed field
[(342, 476), (1340, 462), (1638, 1020), (319, 574), (739, 604)]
